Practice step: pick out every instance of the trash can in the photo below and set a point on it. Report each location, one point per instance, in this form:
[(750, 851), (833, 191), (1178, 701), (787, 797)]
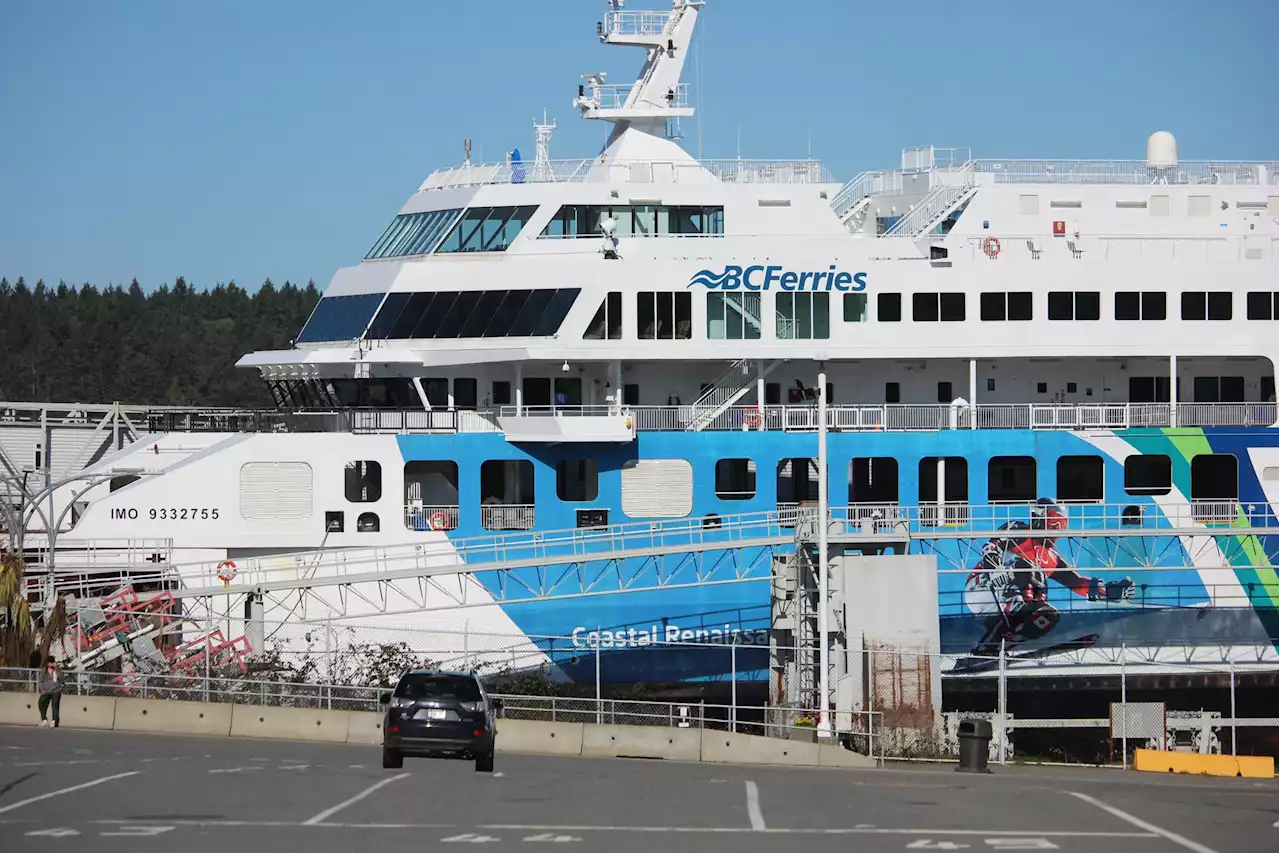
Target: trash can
[(975, 737)]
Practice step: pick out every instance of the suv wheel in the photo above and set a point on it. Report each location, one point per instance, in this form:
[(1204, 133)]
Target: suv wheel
[(393, 759), (484, 763)]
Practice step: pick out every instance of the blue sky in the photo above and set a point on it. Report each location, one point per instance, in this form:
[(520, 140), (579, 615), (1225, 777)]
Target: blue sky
[(245, 139)]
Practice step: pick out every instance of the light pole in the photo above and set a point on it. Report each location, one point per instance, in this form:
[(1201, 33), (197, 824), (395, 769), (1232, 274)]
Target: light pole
[(824, 598)]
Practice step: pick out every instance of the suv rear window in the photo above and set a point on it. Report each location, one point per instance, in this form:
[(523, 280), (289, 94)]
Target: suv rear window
[(438, 687)]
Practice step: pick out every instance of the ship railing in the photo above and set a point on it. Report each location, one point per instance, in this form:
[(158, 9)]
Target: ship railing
[(507, 516), (1124, 247), (577, 411), (616, 96), (431, 517), (648, 23), (1192, 172), (594, 170)]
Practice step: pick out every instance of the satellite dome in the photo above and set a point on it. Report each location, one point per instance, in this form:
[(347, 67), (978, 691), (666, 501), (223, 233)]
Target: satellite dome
[(1162, 150)]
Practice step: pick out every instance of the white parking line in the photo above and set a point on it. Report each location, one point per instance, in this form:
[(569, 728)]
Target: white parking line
[(1142, 824), (753, 807), (62, 791), (56, 763), (328, 813)]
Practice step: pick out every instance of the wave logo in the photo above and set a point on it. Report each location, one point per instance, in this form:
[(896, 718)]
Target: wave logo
[(760, 277)]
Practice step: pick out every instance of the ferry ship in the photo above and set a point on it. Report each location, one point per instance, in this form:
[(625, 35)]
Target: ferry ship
[(581, 399)]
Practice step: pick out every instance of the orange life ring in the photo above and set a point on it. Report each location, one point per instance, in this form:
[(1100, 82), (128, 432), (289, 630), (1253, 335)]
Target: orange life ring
[(226, 572), (752, 418), (991, 246), (438, 521)]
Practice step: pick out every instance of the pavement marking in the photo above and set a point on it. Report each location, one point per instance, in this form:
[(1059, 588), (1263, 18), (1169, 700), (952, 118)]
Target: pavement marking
[(552, 837), (1142, 824), (753, 807), (294, 766), (985, 833), (470, 838), (235, 769), (56, 763), (330, 812), (62, 791)]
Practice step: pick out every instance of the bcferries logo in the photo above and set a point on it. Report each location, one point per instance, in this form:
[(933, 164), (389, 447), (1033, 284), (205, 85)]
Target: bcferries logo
[(759, 277)]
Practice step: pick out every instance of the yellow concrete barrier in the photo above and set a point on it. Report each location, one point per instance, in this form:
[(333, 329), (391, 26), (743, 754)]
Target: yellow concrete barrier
[(1159, 761)]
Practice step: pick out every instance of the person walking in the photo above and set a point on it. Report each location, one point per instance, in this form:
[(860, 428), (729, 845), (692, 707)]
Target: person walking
[(50, 694)]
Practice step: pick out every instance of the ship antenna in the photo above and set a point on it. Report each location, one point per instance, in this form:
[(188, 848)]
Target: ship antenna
[(542, 148), (466, 147)]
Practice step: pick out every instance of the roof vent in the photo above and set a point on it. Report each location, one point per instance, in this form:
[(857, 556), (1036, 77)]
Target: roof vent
[(1162, 150)]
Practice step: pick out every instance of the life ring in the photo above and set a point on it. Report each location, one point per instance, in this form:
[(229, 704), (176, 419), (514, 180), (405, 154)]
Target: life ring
[(991, 246), (752, 418), (226, 572), (438, 521)]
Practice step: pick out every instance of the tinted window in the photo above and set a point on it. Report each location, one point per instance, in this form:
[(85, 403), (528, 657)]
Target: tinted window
[(1220, 306), (451, 325), (433, 313), (924, 307), (388, 314), (340, 318), (505, 316), (1127, 305), (889, 307), (483, 315), (991, 306), (1020, 305), (1060, 305), (415, 686), (532, 312)]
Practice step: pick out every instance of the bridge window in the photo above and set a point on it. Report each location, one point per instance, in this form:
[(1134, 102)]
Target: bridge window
[(363, 482), (733, 316), (577, 480), (1148, 474), (1080, 478), (1144, 305), (431, 495), (413, 234), (1199, 305), (486, 229), (607, 322), (368, 523), (1011, 479), (932, 307), (641, 220), (1215, 487), (473, 314), (657, 488), (664, 316), (340, 318), (1005, 306), (1077, 305), (506, 494), (735, 479), (803, 316), (873, 480), (855, 307), (1263, 305)]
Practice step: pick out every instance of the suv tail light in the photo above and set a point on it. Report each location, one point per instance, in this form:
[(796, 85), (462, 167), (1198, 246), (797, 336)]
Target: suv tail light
[(473, 707)]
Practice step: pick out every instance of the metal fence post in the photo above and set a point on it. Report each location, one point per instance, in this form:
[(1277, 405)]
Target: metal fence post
[(733, 694), (1232, 669), (1124, 714), (1002, 704), (599, 709)]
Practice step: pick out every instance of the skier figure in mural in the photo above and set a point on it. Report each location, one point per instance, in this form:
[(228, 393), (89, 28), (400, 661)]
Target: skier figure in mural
[(1011, 582)]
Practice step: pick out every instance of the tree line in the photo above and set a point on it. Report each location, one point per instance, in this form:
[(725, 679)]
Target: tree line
[(174, 346)]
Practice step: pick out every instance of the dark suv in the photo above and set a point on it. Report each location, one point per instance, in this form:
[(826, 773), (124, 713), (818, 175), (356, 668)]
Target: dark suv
[(439, 715)]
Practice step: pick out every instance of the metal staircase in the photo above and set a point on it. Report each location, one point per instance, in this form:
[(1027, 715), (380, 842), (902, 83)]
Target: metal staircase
[(730, 387), (953, 189)]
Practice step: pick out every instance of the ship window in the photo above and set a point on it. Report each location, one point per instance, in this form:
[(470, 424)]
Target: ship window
[(465, 392), (506, 494), (340, 318), (1218, 389), (1135, 305), (932, 307), (502, 393), (641, 220), (1214, 478), (955, 479), (431, 495), (1263, 305), (607, 322), (1199, 305), (1148, 474), (363, 482), (631, 394), (1080, 478), (368, 522), (855, 307), (773, 393), (735, 479), (413, 234), (1011, 479), (123, 480), (577, 480), (889, 307), (1005, 306), (388, 314), (664, 316), (473, 314), (797, 480), (873, 480), (944, 392), (803, 316), (1078, 305), (486, 229), (335, 521), (1267, 391), (892, 392), (733, 316), (482, 314)]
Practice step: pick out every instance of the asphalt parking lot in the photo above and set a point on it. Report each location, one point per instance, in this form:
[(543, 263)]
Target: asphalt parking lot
[(66, 789)]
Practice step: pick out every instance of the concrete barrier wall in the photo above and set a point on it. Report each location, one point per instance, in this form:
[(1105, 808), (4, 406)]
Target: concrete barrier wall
[(1159, 761), (164, 716), (259, 721), (539, 738), (642, 742), (514, 736)]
